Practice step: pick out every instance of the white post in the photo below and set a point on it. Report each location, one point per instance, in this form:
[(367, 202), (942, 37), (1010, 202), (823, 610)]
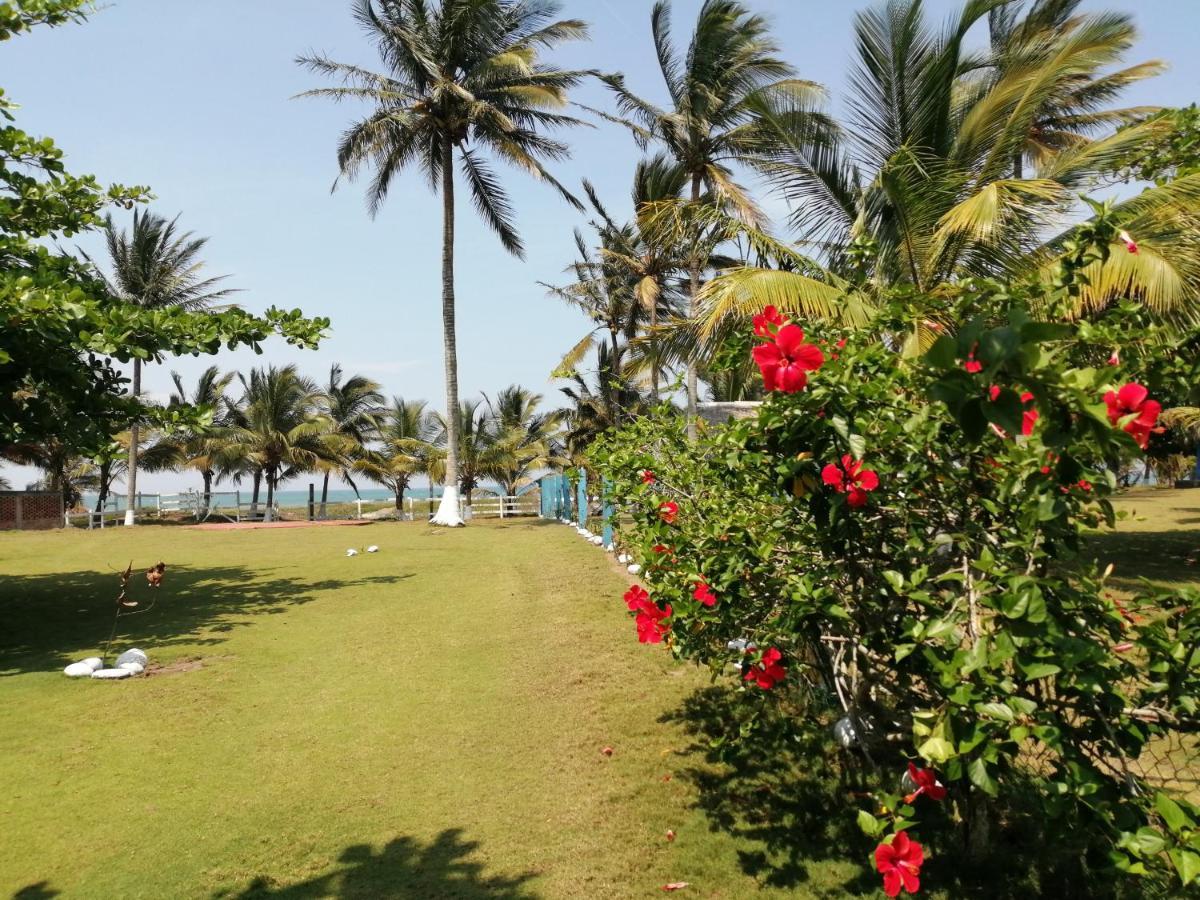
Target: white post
[(358, 503)]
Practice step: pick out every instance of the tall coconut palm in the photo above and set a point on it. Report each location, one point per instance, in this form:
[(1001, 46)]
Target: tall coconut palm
[(718, 91), (611, 399), (462, 78), (155, 266), (515, 415), (954, 165), (279, 431), (353, 409), (405, 436)]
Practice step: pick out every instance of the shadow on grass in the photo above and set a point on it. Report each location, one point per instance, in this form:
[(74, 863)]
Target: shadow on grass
[(39, 891), (1172, 556), (51, 620), (404, 868)]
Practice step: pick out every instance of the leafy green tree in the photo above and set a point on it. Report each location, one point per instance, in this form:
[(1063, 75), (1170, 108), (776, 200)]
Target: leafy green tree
[(153, 266), (719, 90), (64, 332), (353, 410), (463, 77)]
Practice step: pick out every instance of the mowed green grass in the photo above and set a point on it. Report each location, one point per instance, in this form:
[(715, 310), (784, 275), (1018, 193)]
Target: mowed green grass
[(423, 722)]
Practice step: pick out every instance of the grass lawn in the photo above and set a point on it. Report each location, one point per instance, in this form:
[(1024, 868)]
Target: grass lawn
[(423, 722)]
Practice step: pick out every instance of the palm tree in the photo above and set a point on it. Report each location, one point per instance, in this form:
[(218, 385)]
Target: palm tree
[(483, 452), (63, 470), (155, 267), (278, 431), (353, 410), (405, 436), (458, 72), (515, 415), (718, 90), (953, 167), (204, 449), (613, 399)]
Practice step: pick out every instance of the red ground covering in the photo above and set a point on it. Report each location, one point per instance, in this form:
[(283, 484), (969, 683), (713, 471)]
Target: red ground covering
[(248, 526)]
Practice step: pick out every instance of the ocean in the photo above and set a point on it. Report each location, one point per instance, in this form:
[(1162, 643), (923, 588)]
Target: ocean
[(287, 498)]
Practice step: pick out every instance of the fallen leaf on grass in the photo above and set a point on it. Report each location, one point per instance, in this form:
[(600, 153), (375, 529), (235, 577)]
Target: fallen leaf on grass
[(607, 751), (675, 886), (670, 835)]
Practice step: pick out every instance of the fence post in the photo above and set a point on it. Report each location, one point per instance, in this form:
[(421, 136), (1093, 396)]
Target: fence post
[(312, 509)]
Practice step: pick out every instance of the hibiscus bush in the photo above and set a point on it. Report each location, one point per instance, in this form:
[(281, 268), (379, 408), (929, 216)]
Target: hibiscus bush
[(894, 551)]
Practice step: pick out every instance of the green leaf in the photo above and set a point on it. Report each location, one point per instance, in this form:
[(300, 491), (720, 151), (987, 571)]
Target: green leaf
[(996, 711), (1171, 812), (1187, 864), (868, 824), (936, 750), (943, 354), (977, 771), (1034, 671)]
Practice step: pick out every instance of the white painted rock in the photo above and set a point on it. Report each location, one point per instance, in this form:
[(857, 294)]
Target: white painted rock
[(78, 670), (133, 655), (609, 548), (111, 673), (635, 569), (597, 540), (352, 552), (623, 559), (135, 667), (372, 549), (93, 663)]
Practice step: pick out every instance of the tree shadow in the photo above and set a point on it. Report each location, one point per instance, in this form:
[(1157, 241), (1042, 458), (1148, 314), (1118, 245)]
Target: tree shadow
[(52, 620), (1171, 556), (404, 868), (40, 891)]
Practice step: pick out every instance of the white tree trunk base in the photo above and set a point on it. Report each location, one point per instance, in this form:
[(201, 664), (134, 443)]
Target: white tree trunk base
[(448, 514), (129, 517)]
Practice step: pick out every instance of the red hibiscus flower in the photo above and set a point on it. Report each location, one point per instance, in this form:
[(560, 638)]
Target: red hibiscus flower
[(973, 365), (767, 673), (1028, 418), (927, 784), (651, 628), (1130, 243), (704, 595), (668, 510), (661, 548), (1115, 359), (766, 324), (636, 597), (850, 478), (1131, 403), (647, 477), (786, 361), (900, 862)]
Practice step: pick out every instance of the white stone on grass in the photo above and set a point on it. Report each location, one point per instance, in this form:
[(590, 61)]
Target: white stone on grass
[(597, 540), (133, 655), (78, 670), (372, 549), (351, 552), (111, 673), (623, 559), (93, 663), (635, 569), (135, 667)]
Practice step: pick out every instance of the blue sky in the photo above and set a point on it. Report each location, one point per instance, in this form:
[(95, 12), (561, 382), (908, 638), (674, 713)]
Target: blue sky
[(192, 99)]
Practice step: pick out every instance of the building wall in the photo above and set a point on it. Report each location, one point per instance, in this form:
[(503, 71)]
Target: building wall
[(27, 510)]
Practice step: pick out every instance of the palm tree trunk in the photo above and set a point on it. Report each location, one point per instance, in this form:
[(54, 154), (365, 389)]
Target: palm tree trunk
[(102, 493), (694, 279), (324, 496), (654, 352), (131, 476), (208, 476), (254, 496), (448, 513), (269, 514)]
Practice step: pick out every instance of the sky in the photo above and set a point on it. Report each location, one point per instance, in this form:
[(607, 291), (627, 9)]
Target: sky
[(195, 101)]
